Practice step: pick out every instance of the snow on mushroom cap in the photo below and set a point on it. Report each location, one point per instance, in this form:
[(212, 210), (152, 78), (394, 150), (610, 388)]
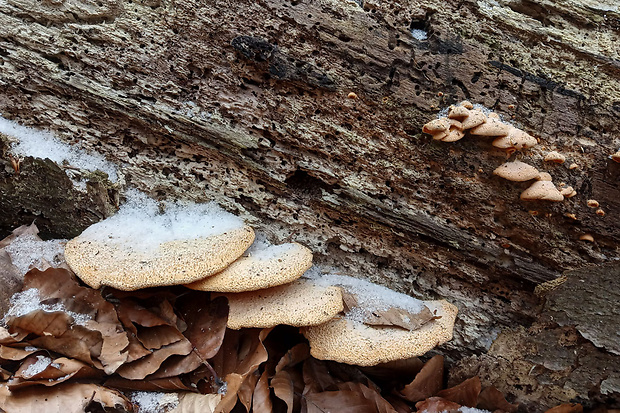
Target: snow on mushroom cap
[(370, 297), (140, 223), (263, 265), (356, 343), (141, 247)]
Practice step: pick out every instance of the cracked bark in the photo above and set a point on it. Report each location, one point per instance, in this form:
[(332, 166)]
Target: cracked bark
[(247, 105)]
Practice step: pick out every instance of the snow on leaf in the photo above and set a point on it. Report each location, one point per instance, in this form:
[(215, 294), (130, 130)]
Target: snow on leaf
[(399, 317)]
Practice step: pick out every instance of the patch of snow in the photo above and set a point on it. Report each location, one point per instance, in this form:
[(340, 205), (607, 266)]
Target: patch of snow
[(370, 297), (144, 224), (28, 251), (262, 249), (154, 402), (37, 367), (465, 409), (42, 144), (27, 301), (419, 34)]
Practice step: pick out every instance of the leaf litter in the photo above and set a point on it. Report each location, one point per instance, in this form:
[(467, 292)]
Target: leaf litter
[(67, 348)]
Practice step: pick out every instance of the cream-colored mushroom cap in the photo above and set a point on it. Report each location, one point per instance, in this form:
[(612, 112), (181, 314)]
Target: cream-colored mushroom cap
[(517, 171), (437, 125), (458, 112), (556, 157), (616, 156), (543, 191), (142, 247), (492, 127), (261, 267), (475, 118), (466, 104), (568, 192), (544, 176), (353, 342), (516, 138), (300, 303)]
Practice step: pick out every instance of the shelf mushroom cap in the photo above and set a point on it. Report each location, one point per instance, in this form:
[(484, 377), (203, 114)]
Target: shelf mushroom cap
[(543, 191), (265, 267), (300, 303), (149, 244), (515, 138), (458, 112), (437, 125), (517, 171), (555, 156), (173, 263), (475, 118), (353, 342), (492, 127)]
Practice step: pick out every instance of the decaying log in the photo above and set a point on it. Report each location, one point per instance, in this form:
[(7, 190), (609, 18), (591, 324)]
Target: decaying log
[(249, 104)]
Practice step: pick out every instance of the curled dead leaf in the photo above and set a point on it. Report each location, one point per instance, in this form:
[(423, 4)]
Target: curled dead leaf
[(427, 382), (465, 394)]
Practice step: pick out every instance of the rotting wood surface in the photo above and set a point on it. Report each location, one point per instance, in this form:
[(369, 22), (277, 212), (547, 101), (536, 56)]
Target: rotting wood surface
[(246, 103)]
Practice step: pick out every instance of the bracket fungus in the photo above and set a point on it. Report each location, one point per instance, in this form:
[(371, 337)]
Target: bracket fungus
[(555, 157), (517, 171), (140, 247), (542, 191), (262, 266), (615, 157), (300, 303), (515, 139), (379, 325)]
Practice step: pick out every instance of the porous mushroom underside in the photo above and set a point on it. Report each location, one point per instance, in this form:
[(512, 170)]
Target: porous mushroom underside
[(353, 342), (176, 262), (300, 303), (250, 273)]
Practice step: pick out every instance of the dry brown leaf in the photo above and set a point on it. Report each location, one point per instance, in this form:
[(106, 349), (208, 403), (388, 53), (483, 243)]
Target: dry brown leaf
[(397, 317), (141, 368), (16, 353), (167, 384), (398, 404), (114, 346), (261, 399), (566, 408), (283, 386), (177, 365), (55, 372), (397, 371), (492, 399), (349, 300), (353, 398), (370, 394), (437, 405), (465, 394), (317, 377), (18, 232), (240, 355), (246, 390), (427, 382), (194, 403), (233, 384), (206, 322), (135, 350), (6, 338), (294, 356), (66, 398)]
